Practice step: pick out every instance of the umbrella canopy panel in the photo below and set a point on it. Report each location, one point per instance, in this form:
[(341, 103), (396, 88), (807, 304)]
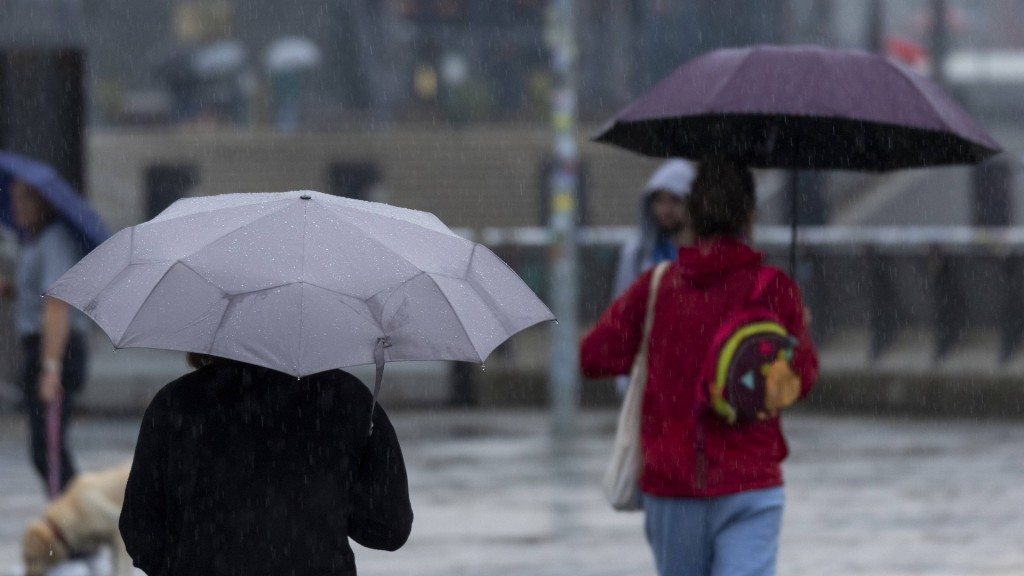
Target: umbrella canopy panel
[(804, 107), (300, 282)]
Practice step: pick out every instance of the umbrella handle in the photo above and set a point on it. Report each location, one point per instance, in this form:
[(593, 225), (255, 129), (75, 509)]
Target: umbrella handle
[(53, 471), (378, 359)]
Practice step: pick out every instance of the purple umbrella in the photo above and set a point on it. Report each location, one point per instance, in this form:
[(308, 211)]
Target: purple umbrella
[(802, 107), (85, 223)]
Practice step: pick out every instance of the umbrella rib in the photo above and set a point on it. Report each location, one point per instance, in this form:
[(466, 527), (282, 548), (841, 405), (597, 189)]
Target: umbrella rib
[(711, 98), (446, 299), (211, 240), (155, 284), (131, 242), (231, 208), (456, 313), (357, 205), (391, 250), (233, 296), (302, 274), (727, 82), (220, 324), (344, 303), (485, 295), (131, 250), (937, 112)]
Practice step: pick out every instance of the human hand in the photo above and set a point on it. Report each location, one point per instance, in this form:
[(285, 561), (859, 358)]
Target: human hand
[(781, 389), (49, 386)]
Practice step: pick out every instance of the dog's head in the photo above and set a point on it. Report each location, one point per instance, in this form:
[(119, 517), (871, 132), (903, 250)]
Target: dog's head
[(41, 548)]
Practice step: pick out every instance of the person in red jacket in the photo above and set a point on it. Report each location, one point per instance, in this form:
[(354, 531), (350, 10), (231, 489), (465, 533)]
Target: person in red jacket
[(712, 491)]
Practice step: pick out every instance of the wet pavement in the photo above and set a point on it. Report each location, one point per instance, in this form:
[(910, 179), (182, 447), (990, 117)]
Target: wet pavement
[(495, 495)]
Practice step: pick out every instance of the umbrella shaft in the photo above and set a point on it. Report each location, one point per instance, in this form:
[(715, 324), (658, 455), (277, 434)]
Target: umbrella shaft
[(794, 220), (378, 359)]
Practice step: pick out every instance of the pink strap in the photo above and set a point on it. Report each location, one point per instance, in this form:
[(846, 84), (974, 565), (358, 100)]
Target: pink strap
[(53, 471)]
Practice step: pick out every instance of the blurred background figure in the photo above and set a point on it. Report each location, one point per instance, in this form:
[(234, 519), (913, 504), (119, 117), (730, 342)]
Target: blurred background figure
[(221, 67), (52, 336), (663, 228), (55, 228), (663, 222), (286, 61), (175, 71), (205, 70)]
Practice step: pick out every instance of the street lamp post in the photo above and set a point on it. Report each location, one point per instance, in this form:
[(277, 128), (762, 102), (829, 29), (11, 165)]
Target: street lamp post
[(564, 376), (939, 40)]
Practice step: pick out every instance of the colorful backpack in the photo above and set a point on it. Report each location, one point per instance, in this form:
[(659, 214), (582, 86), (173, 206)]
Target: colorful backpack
[(749, 340)]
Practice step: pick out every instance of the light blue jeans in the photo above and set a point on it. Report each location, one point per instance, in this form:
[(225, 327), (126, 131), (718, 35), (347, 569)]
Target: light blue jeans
[(735, 535)]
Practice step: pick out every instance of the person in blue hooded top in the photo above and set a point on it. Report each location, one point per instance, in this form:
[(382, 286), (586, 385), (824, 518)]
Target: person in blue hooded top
[(663, 228), (663, 220)]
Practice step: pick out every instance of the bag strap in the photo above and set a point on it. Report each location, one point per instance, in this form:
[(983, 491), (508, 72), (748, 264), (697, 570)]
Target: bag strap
[(652, 297)]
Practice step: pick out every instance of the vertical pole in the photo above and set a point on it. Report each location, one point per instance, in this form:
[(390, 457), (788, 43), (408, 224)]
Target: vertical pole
[(564, 376), (876, 27), (824, 23), (939, 41)]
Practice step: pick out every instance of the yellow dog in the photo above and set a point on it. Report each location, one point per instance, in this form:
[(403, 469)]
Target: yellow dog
[(80, 521)]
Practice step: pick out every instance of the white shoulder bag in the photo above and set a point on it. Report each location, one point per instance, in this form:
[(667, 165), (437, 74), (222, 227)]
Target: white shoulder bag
[(623, 472)]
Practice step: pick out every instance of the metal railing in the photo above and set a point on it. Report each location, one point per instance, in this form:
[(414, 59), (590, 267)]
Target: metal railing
[(944, 282)]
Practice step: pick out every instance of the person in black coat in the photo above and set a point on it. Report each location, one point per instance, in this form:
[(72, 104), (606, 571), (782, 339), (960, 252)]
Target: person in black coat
[(245, 470)]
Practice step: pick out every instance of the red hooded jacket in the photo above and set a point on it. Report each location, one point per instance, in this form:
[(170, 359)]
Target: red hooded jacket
[(689, 452)]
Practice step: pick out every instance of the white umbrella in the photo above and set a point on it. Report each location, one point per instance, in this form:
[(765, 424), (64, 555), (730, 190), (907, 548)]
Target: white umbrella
[(219, 59), (300, 282), (291, 53)]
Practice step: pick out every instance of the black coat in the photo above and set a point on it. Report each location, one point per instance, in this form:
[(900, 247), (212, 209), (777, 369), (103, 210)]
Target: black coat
[(241, 470)]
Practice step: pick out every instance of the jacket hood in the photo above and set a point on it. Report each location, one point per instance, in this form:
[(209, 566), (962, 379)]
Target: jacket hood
[(673, 176), (711, 259)]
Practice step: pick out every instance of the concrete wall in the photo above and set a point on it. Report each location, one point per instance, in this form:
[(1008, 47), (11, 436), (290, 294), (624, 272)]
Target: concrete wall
[(477, 176)]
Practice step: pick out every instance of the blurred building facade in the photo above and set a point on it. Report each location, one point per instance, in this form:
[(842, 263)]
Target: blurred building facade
[(458, 61), (406, 60)]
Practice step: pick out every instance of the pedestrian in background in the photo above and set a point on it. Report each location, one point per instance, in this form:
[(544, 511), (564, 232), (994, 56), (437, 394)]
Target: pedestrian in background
[(663, 229), (712, 491), (241, 469), (52, 335), (663, 223)]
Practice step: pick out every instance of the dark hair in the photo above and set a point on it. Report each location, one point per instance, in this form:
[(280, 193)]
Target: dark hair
[(197, 360), (721, 198)]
